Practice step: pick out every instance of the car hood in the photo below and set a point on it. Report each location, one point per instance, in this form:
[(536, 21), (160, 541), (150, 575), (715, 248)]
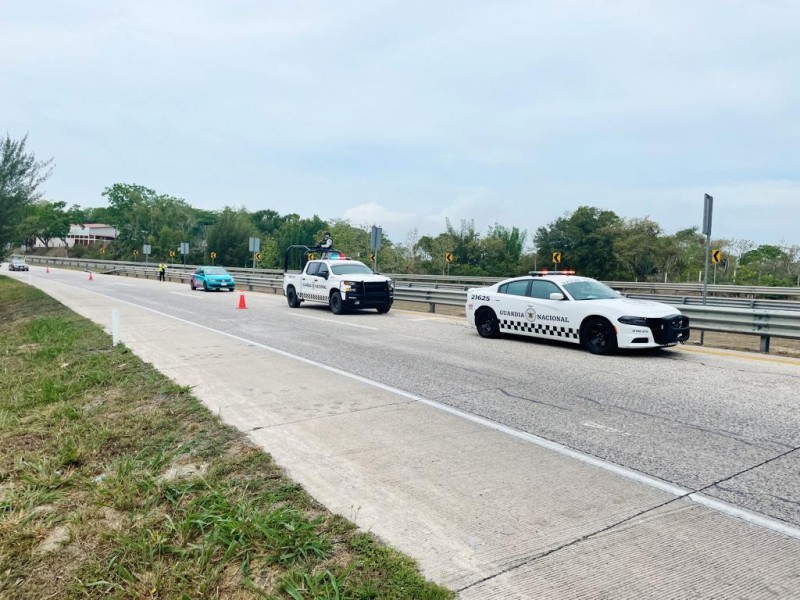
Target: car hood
[(365, 278), (631, 307)]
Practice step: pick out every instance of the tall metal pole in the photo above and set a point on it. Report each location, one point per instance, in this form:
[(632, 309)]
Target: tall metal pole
[(708, 209)]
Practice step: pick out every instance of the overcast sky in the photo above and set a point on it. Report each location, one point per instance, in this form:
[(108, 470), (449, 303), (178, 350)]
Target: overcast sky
[(405, 113)]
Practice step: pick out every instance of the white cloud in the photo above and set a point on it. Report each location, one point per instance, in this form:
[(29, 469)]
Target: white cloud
[(406, 114)]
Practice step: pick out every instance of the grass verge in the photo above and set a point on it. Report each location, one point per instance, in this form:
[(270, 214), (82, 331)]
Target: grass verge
[(116, 483)]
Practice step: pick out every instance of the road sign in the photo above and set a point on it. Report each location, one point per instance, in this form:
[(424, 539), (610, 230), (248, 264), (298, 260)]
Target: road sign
[(255, 244), (147, 249), (716, 256), (136, 253), (556, 257), (102, 250), (372, 256), (449, 257), (375, 236), (213, 255), (184, 249), (708, 210), (258, 255), (172, 253)]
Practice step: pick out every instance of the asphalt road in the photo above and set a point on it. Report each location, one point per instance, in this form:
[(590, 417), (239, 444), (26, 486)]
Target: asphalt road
[(723, 423)]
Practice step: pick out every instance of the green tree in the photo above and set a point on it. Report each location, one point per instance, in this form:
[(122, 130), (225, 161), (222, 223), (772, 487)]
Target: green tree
[(585, 239), (636, 249), (45, 221), (502, 251), (766, 265), (20, 177), (229, 237)]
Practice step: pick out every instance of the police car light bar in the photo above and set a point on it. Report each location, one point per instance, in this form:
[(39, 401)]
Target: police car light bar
[(546, 272)]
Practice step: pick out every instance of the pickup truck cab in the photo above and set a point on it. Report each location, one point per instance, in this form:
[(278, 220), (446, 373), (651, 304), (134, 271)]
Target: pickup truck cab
[(341, 283)]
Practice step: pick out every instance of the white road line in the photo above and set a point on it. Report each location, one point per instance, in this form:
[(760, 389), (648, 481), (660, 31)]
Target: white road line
[(709, 502), (124, 284), (186, 295), (335, 322)]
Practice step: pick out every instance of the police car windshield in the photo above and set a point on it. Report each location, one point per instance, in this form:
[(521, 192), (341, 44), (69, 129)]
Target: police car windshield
[(590, 290), (351, 269)]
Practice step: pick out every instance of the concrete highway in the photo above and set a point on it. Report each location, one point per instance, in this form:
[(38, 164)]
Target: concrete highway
[(697, 423)]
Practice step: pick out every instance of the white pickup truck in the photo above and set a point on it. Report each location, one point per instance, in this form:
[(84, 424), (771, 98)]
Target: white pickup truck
[(339, 282)]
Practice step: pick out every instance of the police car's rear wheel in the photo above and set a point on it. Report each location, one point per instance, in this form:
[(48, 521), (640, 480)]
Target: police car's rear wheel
[(291, 298), (598, 336), (337, 306), (487, 324)]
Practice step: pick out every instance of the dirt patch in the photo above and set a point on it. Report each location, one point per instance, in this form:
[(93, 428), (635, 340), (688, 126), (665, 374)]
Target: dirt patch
[(57, 538)]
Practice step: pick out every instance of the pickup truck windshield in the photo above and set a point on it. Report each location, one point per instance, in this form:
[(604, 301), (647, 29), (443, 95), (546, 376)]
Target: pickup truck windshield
[(351, 269)]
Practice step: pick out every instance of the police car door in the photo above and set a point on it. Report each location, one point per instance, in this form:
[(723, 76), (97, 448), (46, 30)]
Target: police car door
[(512, 304), (308, 279), (550, 318)]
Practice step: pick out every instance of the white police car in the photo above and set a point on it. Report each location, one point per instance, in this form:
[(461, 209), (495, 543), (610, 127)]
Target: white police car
[(562, 306)]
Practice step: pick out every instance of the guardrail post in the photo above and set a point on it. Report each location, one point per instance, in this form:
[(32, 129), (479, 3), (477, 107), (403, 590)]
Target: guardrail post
[(764, 344)]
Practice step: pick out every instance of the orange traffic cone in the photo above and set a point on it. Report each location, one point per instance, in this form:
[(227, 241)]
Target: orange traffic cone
[(90, 276), (241, 301)]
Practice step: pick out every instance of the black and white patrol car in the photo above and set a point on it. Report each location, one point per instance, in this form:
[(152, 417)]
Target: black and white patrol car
[(562, 306)]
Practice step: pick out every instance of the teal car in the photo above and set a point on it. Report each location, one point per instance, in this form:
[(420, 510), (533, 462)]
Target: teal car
[(211, 278)]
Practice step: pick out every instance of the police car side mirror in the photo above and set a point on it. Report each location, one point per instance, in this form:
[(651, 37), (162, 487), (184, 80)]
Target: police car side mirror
[(556, 296)]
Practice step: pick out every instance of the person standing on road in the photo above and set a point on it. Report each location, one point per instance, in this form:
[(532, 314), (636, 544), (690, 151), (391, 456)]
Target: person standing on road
[(162, 272)]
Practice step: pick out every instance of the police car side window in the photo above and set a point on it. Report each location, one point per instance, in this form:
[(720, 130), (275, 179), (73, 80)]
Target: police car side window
[(312, 268), (515, 288), (543, 289), (323, 270)]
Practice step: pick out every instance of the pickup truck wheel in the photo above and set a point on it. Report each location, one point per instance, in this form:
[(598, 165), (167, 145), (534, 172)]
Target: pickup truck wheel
[(382, 310), (337, 307), (291, 297)]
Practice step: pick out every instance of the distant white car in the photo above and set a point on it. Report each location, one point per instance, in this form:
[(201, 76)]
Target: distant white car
[(562, 306), (17, 264)]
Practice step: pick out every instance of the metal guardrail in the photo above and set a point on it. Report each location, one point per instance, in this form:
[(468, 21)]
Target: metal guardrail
[(763, 317), (763, 323)]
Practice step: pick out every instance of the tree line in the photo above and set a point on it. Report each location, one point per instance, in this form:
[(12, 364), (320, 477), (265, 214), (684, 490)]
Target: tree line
[(591, 240)]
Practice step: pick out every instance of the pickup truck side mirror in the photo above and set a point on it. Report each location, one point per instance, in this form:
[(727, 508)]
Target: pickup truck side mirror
[(556, 296)]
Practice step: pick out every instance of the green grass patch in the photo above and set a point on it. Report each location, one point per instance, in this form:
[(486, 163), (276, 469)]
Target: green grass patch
[(117, 483)]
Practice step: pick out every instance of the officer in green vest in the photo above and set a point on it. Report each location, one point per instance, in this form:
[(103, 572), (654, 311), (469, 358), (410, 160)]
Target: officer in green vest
[(162, 272)]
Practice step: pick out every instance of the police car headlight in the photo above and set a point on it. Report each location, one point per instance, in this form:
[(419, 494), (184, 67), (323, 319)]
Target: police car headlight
[(633, 321), (348, 286), (390, 284)]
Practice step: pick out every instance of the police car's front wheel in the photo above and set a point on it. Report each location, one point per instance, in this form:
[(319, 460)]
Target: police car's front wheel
[(598, 336), (487, 324), (337, 306)]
